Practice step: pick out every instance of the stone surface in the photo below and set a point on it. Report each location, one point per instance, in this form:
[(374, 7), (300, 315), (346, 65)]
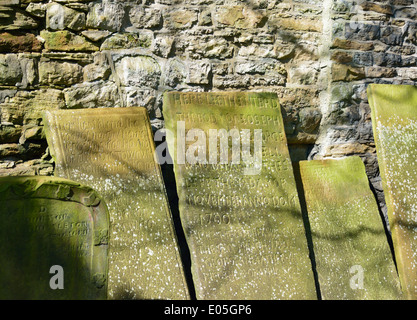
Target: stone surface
[(66, 41), (27, 106), (13, 167), (12, 43), (299, 23), (59, 17), (352, 45), (241, 41), (242, 220), (46, 222), (99, 69), (112, 150), (15, 19), (181, 19), (241, 17), (9, 133), (352, 254), (105, 15), (36, 9), (341, 72), (10, 69), (59, 73), (138, 71), (175, 73), (199, 73), (394, 120), (145, 17), (162, 46), (92, 95), (126, 41), (95, 35)]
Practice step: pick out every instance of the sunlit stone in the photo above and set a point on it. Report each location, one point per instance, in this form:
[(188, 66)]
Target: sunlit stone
[(112, 150), (352, 254), (394, 120), (242, 219)]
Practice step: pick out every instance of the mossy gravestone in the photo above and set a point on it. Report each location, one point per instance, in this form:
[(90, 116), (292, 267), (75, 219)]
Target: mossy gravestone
[(352, 254), (394, 121), (53, 240), (237, 196), (112, 150)]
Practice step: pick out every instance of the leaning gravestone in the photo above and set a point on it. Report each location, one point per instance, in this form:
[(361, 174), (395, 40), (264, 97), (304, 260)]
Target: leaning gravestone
[(352, 254), (53, 240), (394, 120), (112, 150), (242, 219)]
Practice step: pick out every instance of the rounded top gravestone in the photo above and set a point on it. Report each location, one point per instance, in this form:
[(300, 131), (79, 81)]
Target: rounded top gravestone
[(53, 238)]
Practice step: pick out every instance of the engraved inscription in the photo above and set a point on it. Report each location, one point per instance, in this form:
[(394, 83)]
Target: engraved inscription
[(41, 229), (112, 151), (245, 232)]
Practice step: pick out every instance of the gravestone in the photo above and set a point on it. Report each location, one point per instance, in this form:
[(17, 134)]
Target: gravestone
[(241, 219), (112, 150), (352, 254), (53, 240), (394, 121)]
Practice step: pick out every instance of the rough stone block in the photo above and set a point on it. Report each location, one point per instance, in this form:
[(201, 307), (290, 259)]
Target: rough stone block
[(10, 70), (241, 17), (181, 19), (27, 106), (106, 15), (342, 72), (66, 41), (59, 17), (145, 17), (127, 41), (11, 43), (16, 19), (57, 73), (138, 71), (92, 95), (199, 73)]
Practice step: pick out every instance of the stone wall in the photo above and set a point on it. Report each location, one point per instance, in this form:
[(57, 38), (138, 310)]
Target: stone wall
[(317, 55), (370, 42)]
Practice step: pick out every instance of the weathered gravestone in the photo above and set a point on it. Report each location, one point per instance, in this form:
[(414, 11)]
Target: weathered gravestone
[(112, 150), (239, 208), (394, 121), (53, 240), (352, 254)]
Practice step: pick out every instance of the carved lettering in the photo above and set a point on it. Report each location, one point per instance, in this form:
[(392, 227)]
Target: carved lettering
[(239, 227), (112, 150)]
